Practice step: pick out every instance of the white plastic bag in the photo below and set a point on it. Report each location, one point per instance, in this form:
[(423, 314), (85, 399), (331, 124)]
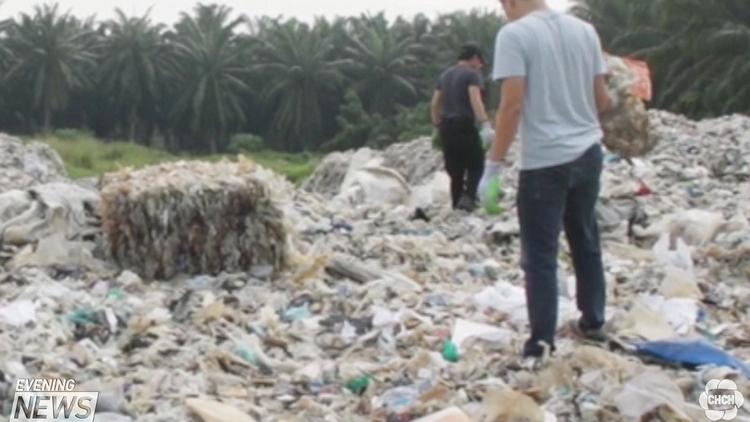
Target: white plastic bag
[(674, 252)]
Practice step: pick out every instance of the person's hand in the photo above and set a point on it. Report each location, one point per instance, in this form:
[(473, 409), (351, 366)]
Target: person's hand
[(492, 169), (486, 134)]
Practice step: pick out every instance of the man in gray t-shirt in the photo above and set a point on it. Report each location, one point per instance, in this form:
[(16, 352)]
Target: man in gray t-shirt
[(456, 107), (552, 72)]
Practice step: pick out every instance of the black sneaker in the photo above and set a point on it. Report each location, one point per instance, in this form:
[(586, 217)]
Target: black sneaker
[(579, 329), (466, 204)]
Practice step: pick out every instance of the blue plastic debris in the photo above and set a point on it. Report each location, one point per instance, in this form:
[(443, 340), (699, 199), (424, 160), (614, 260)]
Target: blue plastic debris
[(694, 192), (297, 313), (691, 353), (342, 225), (611, 158)]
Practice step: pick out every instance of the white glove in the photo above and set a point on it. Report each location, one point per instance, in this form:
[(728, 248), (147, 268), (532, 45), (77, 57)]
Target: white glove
[(492, 169), (486, 134)]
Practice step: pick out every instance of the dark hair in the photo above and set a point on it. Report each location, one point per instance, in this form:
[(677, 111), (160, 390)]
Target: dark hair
[(469, 51)]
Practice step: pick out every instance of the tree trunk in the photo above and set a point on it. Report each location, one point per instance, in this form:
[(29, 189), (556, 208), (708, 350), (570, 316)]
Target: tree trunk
[(212, 143), (132, 131), (168, 140), (47, 115)]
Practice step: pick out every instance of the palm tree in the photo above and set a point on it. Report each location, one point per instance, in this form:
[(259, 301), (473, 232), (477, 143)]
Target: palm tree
[(715, 43), (366, 79), (136, 58), (382, 65), (427, 48), (210, 74), (458, 28), (698, 52), (299, 78), (51, 53)]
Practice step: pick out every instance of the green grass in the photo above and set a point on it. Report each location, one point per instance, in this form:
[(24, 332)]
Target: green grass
[(85, 156)]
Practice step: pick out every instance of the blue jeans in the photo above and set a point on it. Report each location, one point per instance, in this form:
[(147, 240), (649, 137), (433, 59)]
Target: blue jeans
[(549, 200)]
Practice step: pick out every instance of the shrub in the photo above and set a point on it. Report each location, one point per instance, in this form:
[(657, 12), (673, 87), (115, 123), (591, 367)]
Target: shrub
[(246, 142), (72, 134)]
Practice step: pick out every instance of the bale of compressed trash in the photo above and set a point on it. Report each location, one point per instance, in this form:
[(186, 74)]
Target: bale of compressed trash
[(194, 218), (626, 127)]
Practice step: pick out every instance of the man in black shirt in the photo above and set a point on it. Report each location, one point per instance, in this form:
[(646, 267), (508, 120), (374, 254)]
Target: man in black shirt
[(456, 107)]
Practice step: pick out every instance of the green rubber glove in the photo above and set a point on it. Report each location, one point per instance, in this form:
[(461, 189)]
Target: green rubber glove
[(489, 186)]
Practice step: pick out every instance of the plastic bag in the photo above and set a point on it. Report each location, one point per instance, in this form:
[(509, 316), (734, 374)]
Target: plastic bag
[(648, 392), (673, 251), (626, 127), (629, 77)]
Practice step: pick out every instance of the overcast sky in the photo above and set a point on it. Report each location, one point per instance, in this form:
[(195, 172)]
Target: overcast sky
[(167, 11)]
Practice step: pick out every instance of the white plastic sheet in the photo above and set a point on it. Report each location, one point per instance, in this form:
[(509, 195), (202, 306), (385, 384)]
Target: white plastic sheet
[(511, 300), (465, 330), (18, 313)]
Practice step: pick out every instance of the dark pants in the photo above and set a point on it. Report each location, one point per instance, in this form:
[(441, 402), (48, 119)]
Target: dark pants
[(463, 155), (551, 199)]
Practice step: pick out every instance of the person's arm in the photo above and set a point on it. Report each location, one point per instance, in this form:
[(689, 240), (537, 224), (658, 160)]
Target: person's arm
[(603, 100), (510, 67), (475, 96), (601, 94), (508, 116), (435, 105)]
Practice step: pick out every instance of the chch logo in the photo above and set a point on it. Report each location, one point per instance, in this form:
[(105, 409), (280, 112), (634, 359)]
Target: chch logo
[(721, 400)]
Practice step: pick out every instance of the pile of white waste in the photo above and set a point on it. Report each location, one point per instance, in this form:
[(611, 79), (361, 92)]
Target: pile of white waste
[(397, 308)]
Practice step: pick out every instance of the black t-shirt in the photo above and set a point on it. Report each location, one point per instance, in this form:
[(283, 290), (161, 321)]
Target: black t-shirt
[(454, 85)]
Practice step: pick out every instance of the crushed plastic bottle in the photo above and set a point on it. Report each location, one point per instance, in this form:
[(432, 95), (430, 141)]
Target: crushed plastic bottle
[(297, 313), (450, 351), (84, 316), (399, 398), (116, 293), (358, 385), (245, 353), (610, 158)]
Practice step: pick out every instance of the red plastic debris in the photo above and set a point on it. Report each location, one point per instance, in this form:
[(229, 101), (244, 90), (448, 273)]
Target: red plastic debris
[(643, 190)]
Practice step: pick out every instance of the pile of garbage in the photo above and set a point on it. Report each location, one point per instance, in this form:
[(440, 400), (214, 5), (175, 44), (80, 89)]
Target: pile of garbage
[(24, 165), (397, 308)]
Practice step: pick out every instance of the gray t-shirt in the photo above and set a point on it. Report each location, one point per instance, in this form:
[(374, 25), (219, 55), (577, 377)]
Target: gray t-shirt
[(454, 85), (559, 55)]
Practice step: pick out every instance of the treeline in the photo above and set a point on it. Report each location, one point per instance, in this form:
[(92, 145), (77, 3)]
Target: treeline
[(215, 81), (192, 86), (698, 50)]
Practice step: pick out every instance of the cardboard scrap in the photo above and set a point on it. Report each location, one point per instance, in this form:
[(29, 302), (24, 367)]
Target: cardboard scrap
[(214, 411)]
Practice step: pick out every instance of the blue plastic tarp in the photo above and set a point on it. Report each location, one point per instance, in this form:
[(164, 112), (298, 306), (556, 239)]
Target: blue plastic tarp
[(692, 353)]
